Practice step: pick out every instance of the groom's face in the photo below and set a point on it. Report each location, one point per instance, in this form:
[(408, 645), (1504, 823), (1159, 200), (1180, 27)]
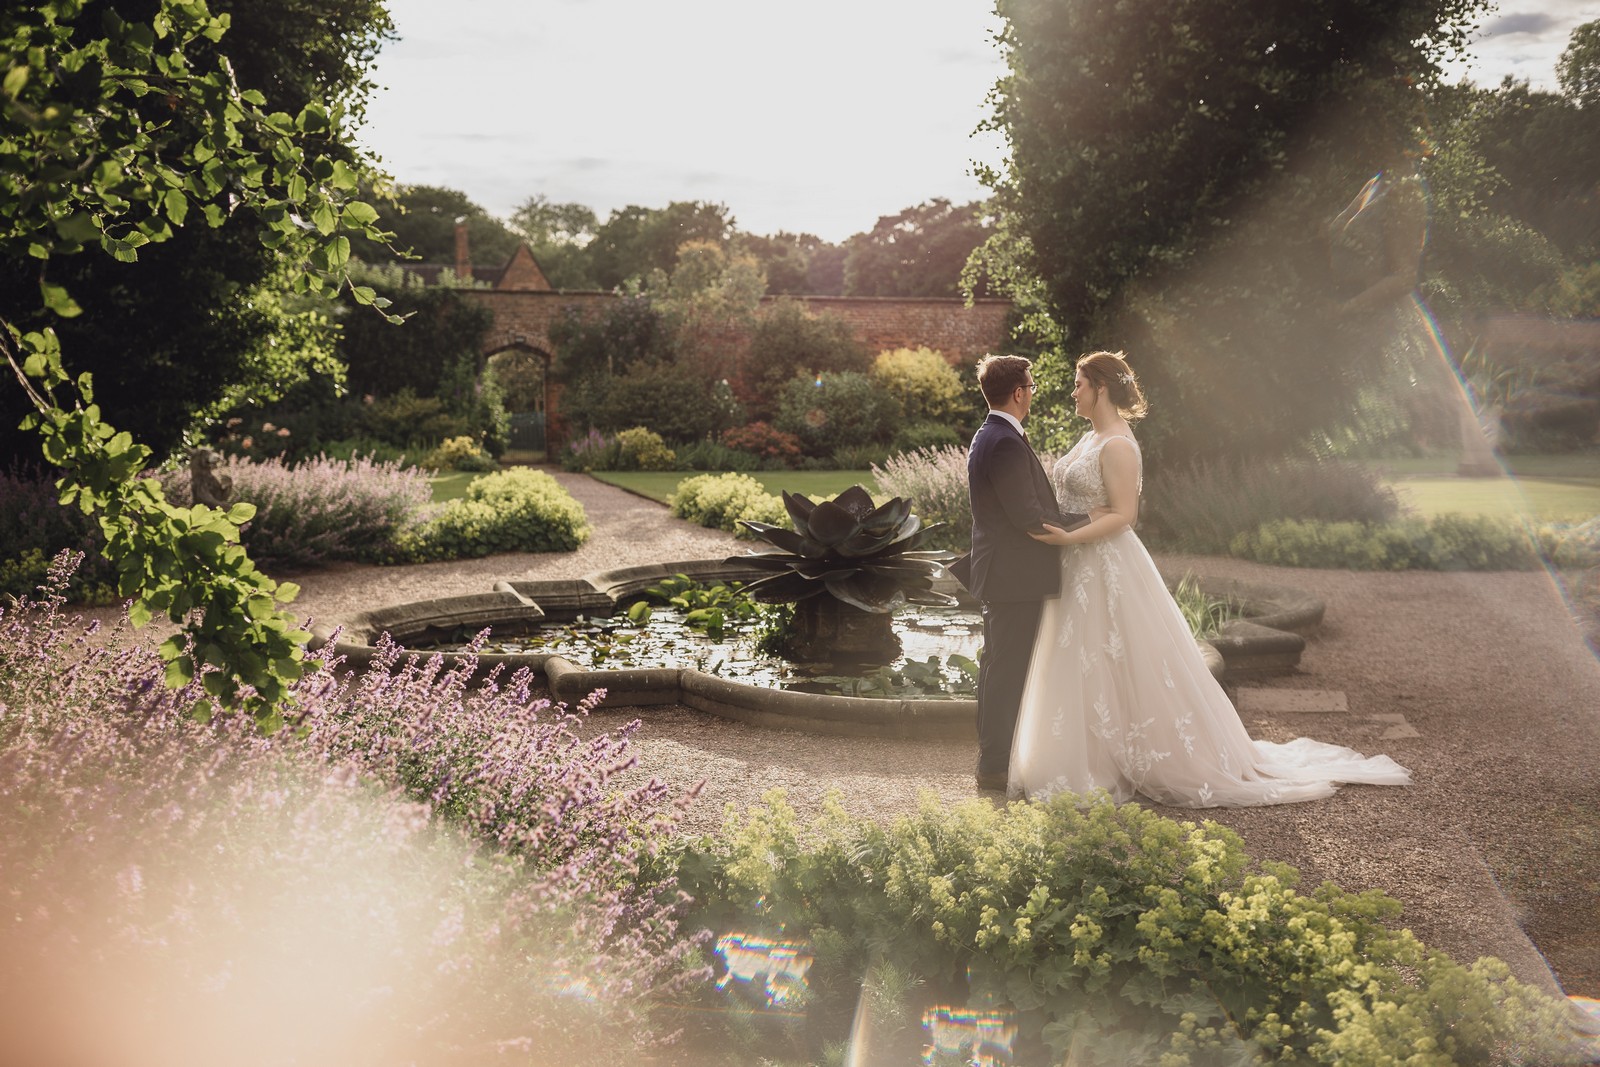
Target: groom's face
[(1026, 393)]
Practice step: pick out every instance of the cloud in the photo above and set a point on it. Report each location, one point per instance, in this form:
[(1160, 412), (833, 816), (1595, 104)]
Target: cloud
[(1529, 22)]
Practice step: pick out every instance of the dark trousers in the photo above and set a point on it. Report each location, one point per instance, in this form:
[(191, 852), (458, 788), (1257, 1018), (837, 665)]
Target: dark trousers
[(1008, 633)]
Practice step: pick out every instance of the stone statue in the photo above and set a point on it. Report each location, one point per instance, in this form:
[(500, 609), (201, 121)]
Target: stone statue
[(206, 486)]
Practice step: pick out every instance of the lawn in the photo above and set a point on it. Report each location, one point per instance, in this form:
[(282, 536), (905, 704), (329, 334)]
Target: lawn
[(659, 485), (451, 484), (1563, 488)]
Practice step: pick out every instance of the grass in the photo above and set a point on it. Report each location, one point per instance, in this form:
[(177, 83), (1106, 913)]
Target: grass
[(659, 485), (451, 484), (1564, 488)]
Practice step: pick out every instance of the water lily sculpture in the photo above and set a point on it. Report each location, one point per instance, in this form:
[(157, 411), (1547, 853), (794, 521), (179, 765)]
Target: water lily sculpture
[(847, 566)]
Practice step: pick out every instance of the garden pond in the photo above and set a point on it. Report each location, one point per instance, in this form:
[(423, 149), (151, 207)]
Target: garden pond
[(720, 630)]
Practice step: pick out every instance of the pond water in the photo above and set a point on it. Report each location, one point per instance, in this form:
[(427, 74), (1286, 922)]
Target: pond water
[(939, 652)]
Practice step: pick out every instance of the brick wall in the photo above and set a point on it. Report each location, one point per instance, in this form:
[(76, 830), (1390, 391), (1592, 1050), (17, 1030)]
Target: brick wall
[(964, 334)]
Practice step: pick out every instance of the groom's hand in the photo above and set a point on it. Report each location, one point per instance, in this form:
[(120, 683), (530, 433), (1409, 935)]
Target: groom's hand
[(1051, 535)]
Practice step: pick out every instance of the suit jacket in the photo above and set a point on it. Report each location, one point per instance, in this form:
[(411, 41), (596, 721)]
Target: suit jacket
[(1010, 495)]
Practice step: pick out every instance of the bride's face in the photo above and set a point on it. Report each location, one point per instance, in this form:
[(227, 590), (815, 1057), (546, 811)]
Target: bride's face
[(1084, 395)]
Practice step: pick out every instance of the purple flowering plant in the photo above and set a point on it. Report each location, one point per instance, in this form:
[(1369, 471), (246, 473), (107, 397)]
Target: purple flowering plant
[(323, 508), (413, 869)]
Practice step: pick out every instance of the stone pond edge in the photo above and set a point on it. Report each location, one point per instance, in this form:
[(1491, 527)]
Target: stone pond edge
[(1269, 639)]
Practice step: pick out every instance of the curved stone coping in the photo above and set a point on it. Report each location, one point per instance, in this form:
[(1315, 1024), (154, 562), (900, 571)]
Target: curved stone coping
[(1246, 646)]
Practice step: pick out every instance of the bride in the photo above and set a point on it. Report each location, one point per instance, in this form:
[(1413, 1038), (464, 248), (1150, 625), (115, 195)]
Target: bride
[(1118, 697)]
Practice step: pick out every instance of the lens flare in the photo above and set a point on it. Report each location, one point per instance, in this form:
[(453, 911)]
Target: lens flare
[(776, 969), (979, 1037)]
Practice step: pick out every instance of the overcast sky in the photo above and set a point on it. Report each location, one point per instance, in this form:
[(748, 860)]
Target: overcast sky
[(812, 118)]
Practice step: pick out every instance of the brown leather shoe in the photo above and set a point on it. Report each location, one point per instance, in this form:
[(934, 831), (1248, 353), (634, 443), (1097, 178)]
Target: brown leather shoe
[(990, 783)]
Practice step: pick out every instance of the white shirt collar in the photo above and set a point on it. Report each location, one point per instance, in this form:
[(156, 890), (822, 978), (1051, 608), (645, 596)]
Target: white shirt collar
[(1012, 419)]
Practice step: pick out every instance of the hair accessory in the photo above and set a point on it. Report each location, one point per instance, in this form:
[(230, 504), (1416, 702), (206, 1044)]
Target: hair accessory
[(1127, 379)]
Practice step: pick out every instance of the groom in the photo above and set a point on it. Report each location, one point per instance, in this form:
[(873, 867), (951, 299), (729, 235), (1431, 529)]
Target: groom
[(1009, 572)]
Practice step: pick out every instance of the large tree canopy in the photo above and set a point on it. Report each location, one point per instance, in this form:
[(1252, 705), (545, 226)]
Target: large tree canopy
[(172, 333), (119, 125), (1174, 167)]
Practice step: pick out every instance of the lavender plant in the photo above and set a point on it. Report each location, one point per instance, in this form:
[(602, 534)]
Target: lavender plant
[(321, 509), (420, 871), (935, 481)]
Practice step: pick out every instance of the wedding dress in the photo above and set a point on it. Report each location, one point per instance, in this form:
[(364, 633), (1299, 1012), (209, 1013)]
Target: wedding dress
[(1119, 698)]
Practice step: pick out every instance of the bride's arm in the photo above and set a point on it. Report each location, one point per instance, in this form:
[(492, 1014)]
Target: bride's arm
[(1119, 465)]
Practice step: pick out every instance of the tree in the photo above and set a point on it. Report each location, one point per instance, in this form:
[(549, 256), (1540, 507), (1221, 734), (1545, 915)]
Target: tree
[(918, 252), (423, 221), (786, 259), (1578, 70), (636, 240), (1172, 174), (198, 318), (557, 235), (116, 130), (789, 340)]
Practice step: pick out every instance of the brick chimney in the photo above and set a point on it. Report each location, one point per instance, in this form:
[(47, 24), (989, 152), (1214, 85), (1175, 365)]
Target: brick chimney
[(463, 253)]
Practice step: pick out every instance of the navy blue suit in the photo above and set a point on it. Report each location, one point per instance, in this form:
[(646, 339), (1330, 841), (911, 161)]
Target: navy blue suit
[(1010, 573)]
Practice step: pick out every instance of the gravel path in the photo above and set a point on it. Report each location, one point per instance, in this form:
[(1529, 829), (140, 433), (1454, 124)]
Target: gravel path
[(1499, 699)]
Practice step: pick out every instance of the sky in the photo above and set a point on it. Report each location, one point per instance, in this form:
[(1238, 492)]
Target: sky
[(815, 118)]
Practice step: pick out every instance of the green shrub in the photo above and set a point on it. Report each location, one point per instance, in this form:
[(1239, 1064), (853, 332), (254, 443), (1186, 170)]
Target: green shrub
[(460, 454), (926, 386), (834, 411), (1203, 507), (1442, 543), (707, 455), (1129, 936), (517, 510), (719, 501), (406, 418), (640, 449), (788, 342), (927, 435), (1571, 545)]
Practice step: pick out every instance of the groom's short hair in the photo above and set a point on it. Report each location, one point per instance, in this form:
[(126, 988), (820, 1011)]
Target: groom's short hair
[(1000, 376)]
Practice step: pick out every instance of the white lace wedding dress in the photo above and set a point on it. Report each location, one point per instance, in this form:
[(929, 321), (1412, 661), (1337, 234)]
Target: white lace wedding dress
[(1119, 698)]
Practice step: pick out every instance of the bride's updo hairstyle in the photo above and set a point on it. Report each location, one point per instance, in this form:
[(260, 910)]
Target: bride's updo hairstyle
[(1110, 371)]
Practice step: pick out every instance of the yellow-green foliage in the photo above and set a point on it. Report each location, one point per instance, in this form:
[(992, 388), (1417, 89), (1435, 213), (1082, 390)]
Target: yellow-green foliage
[(927, 387), (644, 450), (721, 500), (1145, 939), (462, 453), (1442, 543), (517, 510)]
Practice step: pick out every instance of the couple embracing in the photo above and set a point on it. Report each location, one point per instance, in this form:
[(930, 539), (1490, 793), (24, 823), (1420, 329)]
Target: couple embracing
[(1090, 678)]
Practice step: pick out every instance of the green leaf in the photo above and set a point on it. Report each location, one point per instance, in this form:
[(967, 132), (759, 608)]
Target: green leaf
[(323, 219), (177, 206), (180, 672), (286, 592), (79, 227), (241, 513), (338, 253), (16, 78), (363, 294), (138, 614), (357, 213), (639, 613), (58, 300)]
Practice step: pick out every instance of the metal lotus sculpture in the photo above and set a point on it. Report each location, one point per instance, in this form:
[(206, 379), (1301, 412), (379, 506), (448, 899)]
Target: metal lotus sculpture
[(847, 565)]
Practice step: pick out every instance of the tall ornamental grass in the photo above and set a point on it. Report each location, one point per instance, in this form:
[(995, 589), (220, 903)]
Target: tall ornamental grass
[(935, 481), (409, 871), (1202, 506), (321, 509)]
